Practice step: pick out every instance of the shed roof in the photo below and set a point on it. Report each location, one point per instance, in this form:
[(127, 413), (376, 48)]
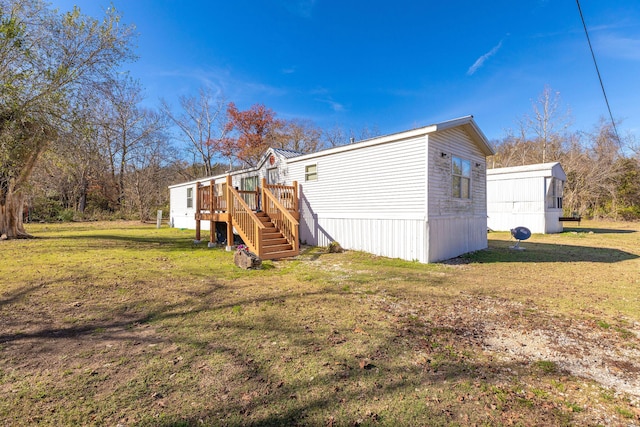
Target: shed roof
[(552, 169)]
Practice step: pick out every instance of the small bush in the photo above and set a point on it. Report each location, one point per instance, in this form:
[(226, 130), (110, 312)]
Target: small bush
[(334, 248), (44, 209), (67, 215), (629, 213)]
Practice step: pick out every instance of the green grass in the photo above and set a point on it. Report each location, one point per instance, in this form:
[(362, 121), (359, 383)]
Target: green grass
[(546, 366), (107, 323)]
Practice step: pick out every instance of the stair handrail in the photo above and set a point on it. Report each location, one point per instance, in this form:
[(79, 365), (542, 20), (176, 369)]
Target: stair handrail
[(281, 191), (252, 236), (281, 217)]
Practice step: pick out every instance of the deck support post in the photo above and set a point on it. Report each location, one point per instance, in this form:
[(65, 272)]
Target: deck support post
[(295, 196), (197, 195), (263, 185), (212, 224), (229, 211)]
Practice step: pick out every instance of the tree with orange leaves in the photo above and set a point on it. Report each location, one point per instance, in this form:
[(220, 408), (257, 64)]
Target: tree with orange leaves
[(253, 130)]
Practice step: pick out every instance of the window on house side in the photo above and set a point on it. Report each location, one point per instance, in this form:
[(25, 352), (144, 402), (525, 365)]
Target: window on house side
[(311, 173), (249, 183), (461, 178), (189, 197), (554, 194)]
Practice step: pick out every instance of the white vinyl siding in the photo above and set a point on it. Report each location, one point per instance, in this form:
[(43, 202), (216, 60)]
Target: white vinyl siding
[(371, 199), (380, 181), (528, 196), (181, 215), (455, 143), (455, 225)]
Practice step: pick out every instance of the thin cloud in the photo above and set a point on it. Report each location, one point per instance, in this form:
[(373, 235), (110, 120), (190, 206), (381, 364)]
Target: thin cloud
[(618, 47), (221, 81), (302, 8), (335, 106), (480, 61)]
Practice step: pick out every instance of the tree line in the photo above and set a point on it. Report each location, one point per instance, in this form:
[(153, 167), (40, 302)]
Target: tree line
[(602, 167), (76, 141)]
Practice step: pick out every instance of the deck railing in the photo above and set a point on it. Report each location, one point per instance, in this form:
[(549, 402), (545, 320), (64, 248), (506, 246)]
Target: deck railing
[(250, 197), (246, 223), (287, 195), (279, 213), (277, 201), (208, 200)]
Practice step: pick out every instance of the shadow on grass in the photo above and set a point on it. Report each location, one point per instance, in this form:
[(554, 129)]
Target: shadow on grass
[(596, 230), (123, 238), (255, 389), (501, 251)]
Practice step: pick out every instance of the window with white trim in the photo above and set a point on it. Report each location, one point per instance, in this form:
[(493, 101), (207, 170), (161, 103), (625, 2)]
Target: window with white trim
[(554, 193), (311, 172), (190, 197), (461, 178), (249, 183)]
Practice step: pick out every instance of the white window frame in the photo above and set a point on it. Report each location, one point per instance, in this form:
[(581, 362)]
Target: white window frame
[(189, 197), (273, 175), (460, 173), (555, 193), (311, 175), (249, 183)]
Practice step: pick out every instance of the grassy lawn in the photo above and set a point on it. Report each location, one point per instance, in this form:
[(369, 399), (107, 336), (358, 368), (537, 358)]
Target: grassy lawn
[(124, 324)]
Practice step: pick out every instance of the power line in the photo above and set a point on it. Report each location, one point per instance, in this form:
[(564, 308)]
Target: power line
[(604, 92)]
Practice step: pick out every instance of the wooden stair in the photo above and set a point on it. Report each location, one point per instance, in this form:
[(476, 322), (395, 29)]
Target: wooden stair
[(274, 245)]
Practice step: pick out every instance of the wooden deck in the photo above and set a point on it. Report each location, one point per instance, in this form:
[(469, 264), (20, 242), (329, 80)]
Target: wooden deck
[(267, 219)]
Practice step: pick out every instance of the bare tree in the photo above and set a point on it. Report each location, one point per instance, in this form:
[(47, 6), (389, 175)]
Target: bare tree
[(366, 133), (594, 169), (548, 124), (125, 128), (335, 137), (203, 123), (69, 171), (146, 179), (299, 135), (538, 137)]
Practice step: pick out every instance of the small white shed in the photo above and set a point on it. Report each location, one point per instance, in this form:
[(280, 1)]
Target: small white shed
[(529, 196)]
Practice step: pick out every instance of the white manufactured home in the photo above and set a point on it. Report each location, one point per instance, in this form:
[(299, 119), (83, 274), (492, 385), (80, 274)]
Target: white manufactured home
[(528, 196), (416, 195)]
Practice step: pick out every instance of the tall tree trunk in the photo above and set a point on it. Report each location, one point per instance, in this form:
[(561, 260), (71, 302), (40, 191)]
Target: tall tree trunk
[(12, 197), (82, 200), (11, 225)]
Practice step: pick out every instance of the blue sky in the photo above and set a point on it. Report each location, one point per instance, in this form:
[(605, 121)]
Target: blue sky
[(390, 66)]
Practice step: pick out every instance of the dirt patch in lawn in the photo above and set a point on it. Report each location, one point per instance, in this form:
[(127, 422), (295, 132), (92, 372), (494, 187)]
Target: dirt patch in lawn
[(515, 332)]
